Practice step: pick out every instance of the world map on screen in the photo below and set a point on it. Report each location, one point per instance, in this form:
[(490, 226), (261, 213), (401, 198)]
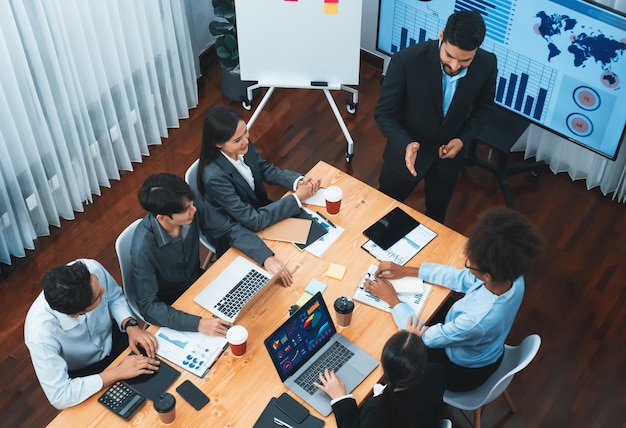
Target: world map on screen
[(582, 42)]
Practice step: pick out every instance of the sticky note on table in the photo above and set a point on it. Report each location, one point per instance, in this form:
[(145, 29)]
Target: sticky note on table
[(315, 286), (336, 271), (303, 299)]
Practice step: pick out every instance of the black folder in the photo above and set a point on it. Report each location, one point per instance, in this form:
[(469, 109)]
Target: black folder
[(271, 411)]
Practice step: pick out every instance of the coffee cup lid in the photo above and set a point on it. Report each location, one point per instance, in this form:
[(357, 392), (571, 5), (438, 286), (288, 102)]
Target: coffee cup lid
[(344, 305), (237, 335), (333, 193), (164, 402)]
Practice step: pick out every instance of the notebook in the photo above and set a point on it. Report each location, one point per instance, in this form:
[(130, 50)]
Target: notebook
[(306, 344), (151, 385), (235, 288)]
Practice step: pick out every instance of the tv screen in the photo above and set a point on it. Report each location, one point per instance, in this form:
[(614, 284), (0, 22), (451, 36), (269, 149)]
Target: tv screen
[(561, 63)]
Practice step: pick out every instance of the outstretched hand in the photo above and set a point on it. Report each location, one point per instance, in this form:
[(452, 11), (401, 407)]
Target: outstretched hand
[(410, 155)]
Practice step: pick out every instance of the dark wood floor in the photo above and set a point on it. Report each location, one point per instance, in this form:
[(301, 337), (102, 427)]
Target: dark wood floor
[(575, 298)]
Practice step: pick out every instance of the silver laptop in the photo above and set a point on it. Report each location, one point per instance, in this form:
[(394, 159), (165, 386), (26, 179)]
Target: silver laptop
[(241, 282), (306, 344)]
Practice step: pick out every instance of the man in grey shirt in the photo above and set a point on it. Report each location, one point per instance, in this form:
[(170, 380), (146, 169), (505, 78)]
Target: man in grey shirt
[(165, 251)]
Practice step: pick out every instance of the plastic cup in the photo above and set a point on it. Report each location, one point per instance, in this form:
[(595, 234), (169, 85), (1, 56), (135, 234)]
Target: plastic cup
[(344, 306), (237, 337), (333, 196), (165, 406)]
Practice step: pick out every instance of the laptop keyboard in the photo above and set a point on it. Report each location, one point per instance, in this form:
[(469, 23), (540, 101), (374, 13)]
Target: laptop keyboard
[(334, 358), (239, 295)]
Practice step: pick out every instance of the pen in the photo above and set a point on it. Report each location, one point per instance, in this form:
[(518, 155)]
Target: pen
[(282, 423), (329, 222)]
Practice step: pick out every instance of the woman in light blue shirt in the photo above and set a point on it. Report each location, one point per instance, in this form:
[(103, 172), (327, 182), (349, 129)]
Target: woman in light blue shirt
[(499, 250)]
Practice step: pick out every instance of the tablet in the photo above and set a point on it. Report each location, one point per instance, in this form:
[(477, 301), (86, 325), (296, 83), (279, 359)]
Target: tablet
[(391, 228)]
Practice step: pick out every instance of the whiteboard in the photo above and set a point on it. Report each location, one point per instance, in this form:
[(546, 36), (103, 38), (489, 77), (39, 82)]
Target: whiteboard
[(286, 43)]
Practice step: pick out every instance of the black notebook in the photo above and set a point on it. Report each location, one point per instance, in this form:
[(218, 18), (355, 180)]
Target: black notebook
[(391, 228), (151, 385), (303, 419), (315, 232)]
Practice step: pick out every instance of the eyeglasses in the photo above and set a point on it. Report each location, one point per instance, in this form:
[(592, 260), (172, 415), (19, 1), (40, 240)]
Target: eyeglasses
[(468, 266)]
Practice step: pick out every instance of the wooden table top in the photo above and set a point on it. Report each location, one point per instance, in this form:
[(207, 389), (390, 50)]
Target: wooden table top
[(240, 388)]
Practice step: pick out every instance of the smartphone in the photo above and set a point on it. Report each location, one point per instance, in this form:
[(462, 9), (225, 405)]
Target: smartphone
[(192, 394), (291, 407)]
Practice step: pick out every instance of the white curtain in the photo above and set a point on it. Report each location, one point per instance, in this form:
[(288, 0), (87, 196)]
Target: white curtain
[(565, 156), (85, 87)]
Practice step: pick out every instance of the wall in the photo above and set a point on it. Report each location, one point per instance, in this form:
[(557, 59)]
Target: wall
[(199, 14)]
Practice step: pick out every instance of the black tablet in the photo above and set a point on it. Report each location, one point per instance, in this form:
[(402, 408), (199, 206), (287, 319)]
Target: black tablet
[(391, 228), (151, 385)]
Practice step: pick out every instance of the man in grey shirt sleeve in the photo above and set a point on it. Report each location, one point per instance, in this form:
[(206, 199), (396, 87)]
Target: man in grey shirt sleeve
[(165, 251)]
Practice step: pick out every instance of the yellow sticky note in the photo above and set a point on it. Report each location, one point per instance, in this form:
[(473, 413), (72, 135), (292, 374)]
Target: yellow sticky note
[(336, 271), (303, 299), (331, 9)]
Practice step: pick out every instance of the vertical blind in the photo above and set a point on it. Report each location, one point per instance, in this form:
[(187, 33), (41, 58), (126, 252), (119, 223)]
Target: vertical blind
[(85, 87)]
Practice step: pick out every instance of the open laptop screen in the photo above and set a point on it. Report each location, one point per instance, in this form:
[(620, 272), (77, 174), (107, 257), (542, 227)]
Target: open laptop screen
[(297, 340)]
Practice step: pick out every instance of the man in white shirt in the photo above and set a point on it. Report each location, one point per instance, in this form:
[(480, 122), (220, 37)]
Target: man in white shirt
[(70, 334)]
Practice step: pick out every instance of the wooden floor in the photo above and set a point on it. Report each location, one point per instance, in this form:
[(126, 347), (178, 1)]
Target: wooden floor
[(575, 298)]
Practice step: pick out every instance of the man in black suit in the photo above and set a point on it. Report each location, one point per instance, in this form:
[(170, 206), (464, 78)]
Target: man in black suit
[(435, 97)]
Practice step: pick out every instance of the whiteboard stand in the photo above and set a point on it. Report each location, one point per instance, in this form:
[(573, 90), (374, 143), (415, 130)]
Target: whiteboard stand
[(351, 106)]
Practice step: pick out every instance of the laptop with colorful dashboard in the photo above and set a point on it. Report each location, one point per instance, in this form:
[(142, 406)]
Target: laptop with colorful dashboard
[(306, 344)]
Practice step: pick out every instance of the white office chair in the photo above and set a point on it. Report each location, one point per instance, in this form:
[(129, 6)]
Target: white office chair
[(190, 178), (122, 248), (515, 359), (444, 423)]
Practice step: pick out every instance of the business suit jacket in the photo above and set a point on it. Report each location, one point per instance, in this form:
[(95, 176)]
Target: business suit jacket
[(425, 400), (410, 107), (227, 188)]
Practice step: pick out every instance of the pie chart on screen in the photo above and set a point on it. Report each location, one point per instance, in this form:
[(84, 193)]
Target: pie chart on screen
[(579, 124), (586, 98), (311, 322)]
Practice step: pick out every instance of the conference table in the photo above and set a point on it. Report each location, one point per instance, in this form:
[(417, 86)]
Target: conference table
[(240, 388)]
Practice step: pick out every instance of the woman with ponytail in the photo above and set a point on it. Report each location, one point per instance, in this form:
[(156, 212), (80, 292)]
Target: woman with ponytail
[(411, 398)]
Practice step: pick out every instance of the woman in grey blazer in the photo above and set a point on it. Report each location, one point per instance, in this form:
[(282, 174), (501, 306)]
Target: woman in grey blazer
[(231, 174)]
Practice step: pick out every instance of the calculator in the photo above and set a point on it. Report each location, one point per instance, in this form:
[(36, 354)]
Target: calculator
[(121, 400)]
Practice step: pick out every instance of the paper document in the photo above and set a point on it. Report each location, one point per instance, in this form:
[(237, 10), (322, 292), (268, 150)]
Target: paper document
[(414, 300), (192, 351), (316, 199), (403, 250)]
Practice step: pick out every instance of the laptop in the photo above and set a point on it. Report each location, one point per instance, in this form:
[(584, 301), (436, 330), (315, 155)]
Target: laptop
[(306, 344), (241, 282)]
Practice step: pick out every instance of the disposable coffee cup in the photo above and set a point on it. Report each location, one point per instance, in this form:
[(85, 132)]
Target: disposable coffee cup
[(343, 310), (333, 196), (165, 406), (237, 337)]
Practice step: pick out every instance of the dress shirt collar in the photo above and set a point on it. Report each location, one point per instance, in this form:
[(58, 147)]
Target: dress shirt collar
[(162, 237)]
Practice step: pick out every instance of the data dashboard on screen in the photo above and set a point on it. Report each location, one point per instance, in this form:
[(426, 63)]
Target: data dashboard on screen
[(561, 63)]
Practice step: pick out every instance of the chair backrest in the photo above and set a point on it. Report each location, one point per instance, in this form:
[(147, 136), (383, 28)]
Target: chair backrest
[(191, 178), (122, 248), (516, 358)]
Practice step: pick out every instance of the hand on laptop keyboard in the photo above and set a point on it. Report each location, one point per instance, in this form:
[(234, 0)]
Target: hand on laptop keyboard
[(331, 384), (273, 265)]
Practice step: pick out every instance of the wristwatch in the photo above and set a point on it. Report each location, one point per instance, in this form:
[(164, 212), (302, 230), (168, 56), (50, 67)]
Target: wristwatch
[(131, 323)]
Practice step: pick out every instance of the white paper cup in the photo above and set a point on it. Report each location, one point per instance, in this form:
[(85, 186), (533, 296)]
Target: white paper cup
[(237, 337), (333, 196)]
